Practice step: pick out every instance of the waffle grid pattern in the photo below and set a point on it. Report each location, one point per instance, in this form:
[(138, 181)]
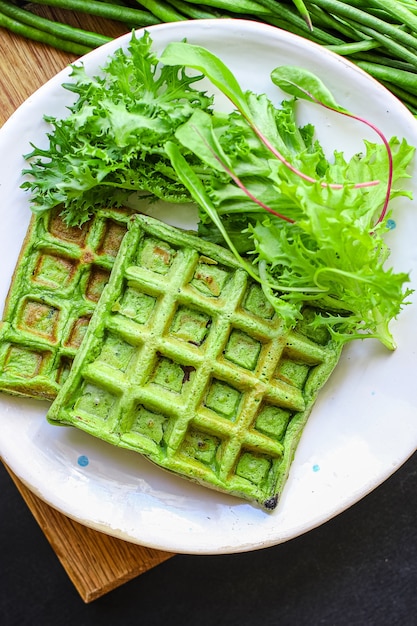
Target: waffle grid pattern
[(59, 277), (187, 363)]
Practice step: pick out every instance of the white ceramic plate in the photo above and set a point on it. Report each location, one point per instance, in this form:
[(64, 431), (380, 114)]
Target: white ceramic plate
[(364, 425)]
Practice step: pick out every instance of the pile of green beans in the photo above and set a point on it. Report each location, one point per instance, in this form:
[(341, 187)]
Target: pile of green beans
[(380, 36)]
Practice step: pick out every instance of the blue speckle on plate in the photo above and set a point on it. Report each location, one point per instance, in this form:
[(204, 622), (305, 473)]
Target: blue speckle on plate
[(316, 468), (391, 224), (83, 461)]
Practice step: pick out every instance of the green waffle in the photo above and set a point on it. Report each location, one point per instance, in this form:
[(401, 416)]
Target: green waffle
[(187, 363), (56, 285)]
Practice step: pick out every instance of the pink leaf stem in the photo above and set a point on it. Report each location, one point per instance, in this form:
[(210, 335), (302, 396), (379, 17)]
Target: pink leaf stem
[(239, 183), (267, 143), (380, 135)]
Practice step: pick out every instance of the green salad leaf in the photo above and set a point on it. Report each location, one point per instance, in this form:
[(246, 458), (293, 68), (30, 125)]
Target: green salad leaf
[(111, 143), (323, 241), (311, 229)]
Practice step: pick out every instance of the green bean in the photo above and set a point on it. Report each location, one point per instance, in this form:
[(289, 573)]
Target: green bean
[(392, 46), (193, 11), (249, 7), (162, 11), (107, 10), (391, 62), (35, 34), (410, 5), (316, 35), (358, 16), (372, 10), (405, 80), (283, 12), (398, 10), (354, 47), (302, 10), (333, 23), (88, 39)]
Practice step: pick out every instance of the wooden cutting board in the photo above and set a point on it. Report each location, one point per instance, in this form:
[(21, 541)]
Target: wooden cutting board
[(95, 563)]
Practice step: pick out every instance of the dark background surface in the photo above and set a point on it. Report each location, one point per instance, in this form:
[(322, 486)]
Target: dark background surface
[(358, 569)]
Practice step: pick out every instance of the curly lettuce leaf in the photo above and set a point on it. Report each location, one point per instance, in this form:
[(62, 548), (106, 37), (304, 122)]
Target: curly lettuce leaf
[(110, 144), (323, 242)]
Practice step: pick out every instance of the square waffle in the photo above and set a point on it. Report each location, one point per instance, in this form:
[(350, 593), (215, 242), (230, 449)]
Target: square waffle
[(187, 363), (56, 285)]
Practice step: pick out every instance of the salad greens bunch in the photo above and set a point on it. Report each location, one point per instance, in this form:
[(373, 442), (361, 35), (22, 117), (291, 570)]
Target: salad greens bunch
[(309, 229)]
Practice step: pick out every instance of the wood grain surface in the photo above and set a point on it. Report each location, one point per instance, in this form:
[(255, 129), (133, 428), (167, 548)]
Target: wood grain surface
[(96, 563)]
